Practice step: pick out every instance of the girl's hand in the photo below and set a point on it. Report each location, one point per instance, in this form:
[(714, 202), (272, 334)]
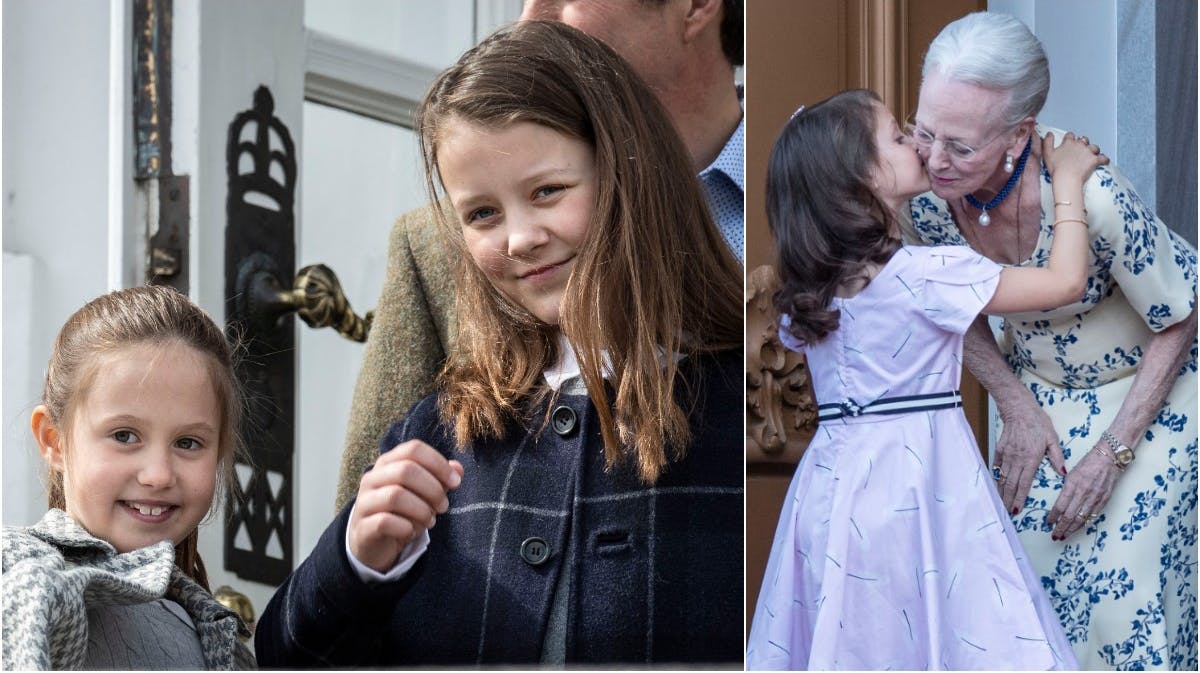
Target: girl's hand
[(1085, 492), (398, 499), (1075, 158)]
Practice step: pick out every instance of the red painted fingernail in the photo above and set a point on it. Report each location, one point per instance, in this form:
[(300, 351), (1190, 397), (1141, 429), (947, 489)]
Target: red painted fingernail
[(1015, 510)]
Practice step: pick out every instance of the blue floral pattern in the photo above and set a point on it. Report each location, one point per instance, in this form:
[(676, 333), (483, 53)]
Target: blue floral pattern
[(1125, 586)]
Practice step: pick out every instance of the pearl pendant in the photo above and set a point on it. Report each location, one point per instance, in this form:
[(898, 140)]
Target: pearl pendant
[(984, 218)]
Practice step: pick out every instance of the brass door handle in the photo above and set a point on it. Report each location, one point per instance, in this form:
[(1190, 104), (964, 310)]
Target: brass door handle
[(316, 296), (239, 603)]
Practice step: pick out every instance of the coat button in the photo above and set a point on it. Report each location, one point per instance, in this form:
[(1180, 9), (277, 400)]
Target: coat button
[(535, 551), (564, 420)]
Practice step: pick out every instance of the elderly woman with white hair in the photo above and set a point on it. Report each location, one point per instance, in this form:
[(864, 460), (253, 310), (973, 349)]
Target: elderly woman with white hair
[(1097, 457)]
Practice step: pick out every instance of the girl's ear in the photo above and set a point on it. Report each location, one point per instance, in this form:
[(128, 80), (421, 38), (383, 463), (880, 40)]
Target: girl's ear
[(48, 438)]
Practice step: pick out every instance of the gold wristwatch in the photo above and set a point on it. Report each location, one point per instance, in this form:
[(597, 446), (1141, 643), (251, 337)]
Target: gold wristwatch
[(1122, 455)]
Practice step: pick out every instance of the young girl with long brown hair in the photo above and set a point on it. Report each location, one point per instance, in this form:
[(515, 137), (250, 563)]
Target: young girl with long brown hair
[(138, 429), (893, 550), (582, 456)]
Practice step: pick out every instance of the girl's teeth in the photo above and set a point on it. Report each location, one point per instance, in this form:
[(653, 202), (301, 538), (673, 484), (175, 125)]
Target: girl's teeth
[(149, 511)]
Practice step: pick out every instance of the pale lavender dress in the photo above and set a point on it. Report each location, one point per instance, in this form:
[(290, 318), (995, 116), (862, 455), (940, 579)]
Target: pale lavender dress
[(893, 549)]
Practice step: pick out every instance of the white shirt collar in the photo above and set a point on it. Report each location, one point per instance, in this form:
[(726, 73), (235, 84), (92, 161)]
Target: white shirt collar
[(564, 376), (566, 370)]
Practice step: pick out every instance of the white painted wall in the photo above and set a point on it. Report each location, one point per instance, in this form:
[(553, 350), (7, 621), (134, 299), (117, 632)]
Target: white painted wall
[(1080, 38), (1136, 150), (1080, 41), (24, 501), (429, 33), (55, 205)]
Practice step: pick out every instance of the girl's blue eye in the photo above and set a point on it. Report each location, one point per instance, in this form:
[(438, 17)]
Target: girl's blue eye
[(481, 214), (548, 190), (124, 436), (190, 443)]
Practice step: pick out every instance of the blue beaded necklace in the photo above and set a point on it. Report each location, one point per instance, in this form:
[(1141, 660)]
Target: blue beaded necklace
[(984, 218)]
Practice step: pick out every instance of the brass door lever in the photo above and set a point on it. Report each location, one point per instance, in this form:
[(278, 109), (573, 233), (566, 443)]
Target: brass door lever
[(316, 296)]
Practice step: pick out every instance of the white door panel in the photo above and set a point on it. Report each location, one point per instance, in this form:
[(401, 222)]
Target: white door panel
[(356, 176)]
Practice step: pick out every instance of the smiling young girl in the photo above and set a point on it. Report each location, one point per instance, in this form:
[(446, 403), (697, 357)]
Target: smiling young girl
[(893, 550), (137, 427), (583, 455)]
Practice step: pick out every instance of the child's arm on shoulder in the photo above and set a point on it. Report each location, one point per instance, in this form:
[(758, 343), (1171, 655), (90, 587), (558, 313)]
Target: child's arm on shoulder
[(1064, 279)]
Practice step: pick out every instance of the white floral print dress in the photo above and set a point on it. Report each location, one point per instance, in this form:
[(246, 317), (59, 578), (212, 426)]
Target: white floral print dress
[(1125, 586)]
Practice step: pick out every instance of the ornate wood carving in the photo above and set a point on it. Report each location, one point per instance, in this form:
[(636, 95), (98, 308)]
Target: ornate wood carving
[(781, 410)]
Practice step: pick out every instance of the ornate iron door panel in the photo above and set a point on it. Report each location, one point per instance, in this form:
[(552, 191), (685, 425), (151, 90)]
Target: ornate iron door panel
[(260, 249)]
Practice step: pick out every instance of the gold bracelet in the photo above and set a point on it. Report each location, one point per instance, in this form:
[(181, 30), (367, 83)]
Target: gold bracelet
[(1068, 219), (1062, 203)]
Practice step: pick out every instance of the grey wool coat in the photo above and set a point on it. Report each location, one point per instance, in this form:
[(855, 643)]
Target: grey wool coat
[(55, 570)]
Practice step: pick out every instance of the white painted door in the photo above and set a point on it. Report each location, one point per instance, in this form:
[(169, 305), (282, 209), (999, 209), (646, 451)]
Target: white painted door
[(356, 174), (75, 226)]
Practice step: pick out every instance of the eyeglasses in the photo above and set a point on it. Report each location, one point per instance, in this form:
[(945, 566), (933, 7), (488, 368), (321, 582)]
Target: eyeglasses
[(958, 151)]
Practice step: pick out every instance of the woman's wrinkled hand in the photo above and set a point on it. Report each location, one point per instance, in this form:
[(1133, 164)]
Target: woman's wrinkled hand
[(1028, 436), (1085, 492)]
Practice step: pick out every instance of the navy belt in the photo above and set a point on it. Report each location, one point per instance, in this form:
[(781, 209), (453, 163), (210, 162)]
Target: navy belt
[(890, 405)]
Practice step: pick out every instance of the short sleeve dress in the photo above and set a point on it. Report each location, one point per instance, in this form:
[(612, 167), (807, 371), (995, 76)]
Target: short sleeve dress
[(893, 549), (1125, 586)]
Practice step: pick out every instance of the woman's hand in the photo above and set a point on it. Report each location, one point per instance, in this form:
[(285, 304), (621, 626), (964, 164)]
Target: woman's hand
[(1028, 436), (1090, 484), (1085, 492), (1074, 159), (398, 499), (1028, 432)]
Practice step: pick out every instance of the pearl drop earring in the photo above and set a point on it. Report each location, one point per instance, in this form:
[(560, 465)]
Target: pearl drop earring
[(1008, 163)]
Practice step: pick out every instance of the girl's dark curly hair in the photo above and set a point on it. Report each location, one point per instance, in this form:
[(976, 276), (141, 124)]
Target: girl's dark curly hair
[(827, 222)]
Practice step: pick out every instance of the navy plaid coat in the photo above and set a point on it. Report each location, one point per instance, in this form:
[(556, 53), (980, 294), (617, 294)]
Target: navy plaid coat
[(653, 573)]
